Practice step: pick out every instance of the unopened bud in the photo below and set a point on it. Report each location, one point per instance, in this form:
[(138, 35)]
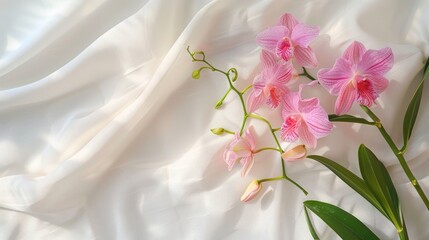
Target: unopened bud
[(295, 153), (251, 191), (217, 131), (196, 74)]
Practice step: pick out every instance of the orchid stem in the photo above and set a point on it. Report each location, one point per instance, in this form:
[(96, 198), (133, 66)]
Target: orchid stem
[(266, 148), (306, 74), (246, 115), (399, 155), (247, 88), (285, 178), (220, 102)]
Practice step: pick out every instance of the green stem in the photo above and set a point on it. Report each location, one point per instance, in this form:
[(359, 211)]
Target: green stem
[(245, 113), (271, 179), (265, 149), (273, 130), (220, 102), (286, 178), (247, 88), (306, 74), (399, 155)]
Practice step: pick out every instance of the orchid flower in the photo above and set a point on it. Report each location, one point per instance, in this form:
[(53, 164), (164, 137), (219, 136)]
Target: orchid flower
[(269, 86), (304, 119), (357, 76), (290, 40), (241, 149)]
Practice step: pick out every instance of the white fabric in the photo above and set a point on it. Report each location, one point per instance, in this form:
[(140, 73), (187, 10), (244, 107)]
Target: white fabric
[(105, 135)]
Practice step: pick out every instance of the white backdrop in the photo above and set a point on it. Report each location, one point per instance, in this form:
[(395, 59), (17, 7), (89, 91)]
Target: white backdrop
[(105, 135)]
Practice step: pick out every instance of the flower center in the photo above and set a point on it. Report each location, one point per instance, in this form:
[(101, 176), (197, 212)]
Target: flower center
[(284, 49), (366, 93), (290, 128), (272, 94)]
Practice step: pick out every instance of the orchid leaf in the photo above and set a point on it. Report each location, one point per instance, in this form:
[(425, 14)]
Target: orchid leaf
[(413, 107), (343, 223), (310, 225), (348, 118), (379, 182), (355, 182)]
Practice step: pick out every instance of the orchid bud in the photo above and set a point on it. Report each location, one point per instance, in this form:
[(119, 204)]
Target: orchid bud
[(295, 153), (251, 191), (196, 74), (217, 131)]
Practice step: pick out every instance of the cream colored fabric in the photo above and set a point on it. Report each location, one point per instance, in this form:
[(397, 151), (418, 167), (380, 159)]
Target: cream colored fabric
[(105, 135)]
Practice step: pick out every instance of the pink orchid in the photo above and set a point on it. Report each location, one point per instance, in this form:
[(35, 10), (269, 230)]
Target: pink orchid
[(304, 119), (269, 86), (290, 40), (241, 149), (357, 76)]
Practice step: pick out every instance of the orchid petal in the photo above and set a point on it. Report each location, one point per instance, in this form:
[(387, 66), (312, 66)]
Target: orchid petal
[(280, 74), (346, 97), (247, 165), (354, 52), (305, 57), (289, 21), (268, 59), (250, 137), (290, 104), (303, 34), (269, 38), (254, 101), (379, 83), (376, 62), (333, 79), (306, 136)]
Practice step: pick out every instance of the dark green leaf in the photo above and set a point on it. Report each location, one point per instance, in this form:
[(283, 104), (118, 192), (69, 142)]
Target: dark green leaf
[(413, 107), (343, 223), (379, 182), (348, 118), (355, 182), (310, 225)]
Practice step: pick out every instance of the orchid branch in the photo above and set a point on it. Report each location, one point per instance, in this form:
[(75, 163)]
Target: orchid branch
[(246, 115)]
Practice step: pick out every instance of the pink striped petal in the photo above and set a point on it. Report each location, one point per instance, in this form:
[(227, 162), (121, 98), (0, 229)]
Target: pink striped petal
[(269, 38), (254, 101), (306, 136), (346, 97), (315, 117), (250, 137), (305, 57), (379, 83), (303, 34), (376, 62), (289, 21), (333, 79), (268, 59), (290, 104), (354, 52), (247, 165), (280, 74)]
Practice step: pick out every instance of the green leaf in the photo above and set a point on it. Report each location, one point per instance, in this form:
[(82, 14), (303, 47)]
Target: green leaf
[(348, 118), (355, 182), (379, 182), (413, 108), (310, 225), (343, 223)]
